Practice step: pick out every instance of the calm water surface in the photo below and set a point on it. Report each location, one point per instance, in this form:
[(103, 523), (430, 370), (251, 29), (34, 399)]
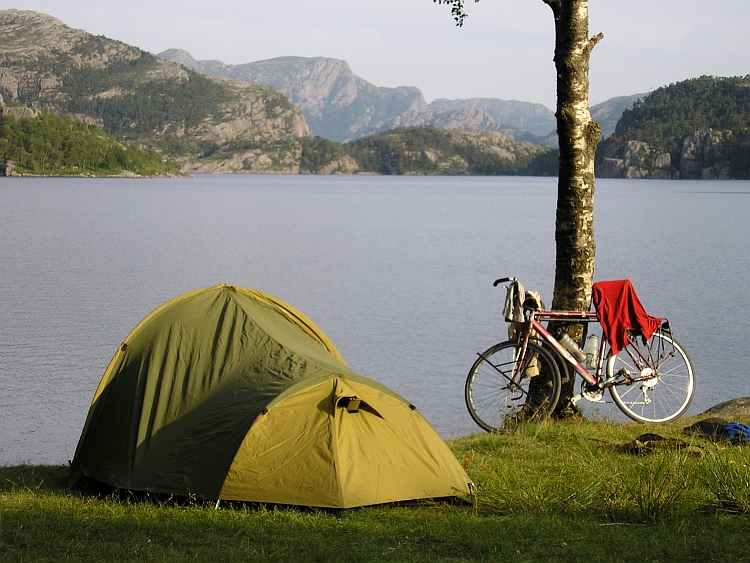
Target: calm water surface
[(397, 271)]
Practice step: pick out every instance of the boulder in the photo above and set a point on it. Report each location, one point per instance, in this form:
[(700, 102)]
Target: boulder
[(733, 407)]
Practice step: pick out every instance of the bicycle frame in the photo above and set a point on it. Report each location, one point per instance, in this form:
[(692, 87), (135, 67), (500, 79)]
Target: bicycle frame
[(532, 324)]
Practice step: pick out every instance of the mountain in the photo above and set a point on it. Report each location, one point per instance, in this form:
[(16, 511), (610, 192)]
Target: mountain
[(221, 124), (257, 117), (336, 103), (608, 113), (697, 128), (537, 119), (46, 65), (340, 106)]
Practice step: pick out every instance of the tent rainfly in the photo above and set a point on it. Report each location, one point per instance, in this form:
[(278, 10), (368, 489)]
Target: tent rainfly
[(228, 393)]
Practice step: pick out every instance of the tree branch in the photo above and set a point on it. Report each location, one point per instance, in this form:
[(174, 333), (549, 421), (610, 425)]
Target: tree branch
[(593, 41), (457, 9)]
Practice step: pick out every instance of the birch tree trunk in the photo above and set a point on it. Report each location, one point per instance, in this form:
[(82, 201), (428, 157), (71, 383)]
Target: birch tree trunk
[(578, 136)]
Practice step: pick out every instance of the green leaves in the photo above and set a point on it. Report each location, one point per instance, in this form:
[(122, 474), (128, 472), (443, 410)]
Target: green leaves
[(457, 9)]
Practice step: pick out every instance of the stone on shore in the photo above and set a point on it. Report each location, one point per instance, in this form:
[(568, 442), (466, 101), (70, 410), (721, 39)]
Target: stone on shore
[(736, 407)]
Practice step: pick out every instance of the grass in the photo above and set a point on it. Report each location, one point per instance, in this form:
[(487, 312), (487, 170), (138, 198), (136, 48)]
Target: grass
[(549, 492)]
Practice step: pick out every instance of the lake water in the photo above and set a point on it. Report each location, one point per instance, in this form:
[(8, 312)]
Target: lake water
[(397, 271)]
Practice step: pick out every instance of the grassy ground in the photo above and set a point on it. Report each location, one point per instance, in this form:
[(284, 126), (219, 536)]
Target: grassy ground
[(551, 492)]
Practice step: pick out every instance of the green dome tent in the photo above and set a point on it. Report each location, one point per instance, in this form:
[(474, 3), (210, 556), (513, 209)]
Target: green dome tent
[(228, 393)]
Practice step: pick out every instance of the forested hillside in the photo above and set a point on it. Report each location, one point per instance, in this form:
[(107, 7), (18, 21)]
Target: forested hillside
[(692, 129), (46, 65), (50, 144), (129, 104), (428, 150)]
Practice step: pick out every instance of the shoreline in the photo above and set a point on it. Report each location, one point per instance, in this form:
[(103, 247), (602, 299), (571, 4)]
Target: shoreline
[(121, 174), (192, 174)]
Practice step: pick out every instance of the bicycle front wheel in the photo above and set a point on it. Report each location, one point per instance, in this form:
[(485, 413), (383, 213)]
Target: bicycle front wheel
[(667, 379), (501, 392)]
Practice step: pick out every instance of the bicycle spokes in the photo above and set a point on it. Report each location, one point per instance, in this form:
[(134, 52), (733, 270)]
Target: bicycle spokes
[(500, 391), (652, 382)]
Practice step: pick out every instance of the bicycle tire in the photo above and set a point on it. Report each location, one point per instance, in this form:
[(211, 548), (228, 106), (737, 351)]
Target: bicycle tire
[(495, 402), (664, 397)]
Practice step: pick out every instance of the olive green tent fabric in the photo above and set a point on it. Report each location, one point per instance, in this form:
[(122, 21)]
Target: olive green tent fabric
[(383, 452), (228, 393)]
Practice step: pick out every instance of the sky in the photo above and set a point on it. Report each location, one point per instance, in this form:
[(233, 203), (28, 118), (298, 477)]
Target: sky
[(504, 50)]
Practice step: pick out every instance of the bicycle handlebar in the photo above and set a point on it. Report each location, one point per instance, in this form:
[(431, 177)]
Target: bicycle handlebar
[(502, 280)]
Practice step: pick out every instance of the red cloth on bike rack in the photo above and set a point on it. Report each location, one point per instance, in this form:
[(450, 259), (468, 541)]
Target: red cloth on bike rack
[(620, 310)]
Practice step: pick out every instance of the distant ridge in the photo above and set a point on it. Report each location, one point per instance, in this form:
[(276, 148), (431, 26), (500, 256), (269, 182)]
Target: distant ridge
[(537, 119), (340, 106), (337, 104), (608, 113)]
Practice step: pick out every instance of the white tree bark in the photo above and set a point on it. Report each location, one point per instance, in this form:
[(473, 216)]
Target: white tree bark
[(578, 135)]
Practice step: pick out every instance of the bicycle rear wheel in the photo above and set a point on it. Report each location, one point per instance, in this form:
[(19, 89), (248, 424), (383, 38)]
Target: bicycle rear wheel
[(496, 402), (667, 393)]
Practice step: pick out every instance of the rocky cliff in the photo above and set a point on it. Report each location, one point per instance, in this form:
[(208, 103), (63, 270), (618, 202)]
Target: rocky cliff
[(697, 128), (340, 106), (696, 160), (46, 65)]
